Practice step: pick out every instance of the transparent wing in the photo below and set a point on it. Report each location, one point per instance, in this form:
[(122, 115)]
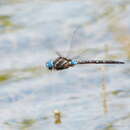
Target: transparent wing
[(77, 43), (78, 56), (58, 53), (71, 40), (73, 46)]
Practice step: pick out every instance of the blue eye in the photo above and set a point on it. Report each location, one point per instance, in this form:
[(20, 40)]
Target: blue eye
[(50, 64), (74, 62)]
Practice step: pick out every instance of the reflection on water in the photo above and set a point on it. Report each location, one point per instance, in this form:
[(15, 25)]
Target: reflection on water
[(7, 25), (104, 93), (21, 74), (95, 97), (57, 117)]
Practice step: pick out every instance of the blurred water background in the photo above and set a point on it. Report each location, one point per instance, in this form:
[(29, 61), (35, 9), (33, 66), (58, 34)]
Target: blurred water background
[(92, 97)]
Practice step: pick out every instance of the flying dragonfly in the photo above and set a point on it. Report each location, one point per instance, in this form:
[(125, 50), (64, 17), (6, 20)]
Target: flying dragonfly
[(61, 62)]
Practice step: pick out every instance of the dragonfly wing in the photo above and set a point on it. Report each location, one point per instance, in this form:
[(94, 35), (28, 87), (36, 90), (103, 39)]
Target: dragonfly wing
[(80, 54), (77, 42), (58, 53)]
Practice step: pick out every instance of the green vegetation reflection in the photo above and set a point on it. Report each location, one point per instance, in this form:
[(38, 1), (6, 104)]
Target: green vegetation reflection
[(27, 124), (20, 74), (7, 25)]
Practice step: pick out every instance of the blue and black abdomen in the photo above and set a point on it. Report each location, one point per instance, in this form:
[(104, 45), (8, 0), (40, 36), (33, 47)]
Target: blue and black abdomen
[(100, 62)]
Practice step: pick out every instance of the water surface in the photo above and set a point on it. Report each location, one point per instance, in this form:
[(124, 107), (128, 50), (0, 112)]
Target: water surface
[(95, 97)]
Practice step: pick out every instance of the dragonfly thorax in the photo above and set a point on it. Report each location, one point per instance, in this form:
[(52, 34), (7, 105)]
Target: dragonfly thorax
[(60, 63)]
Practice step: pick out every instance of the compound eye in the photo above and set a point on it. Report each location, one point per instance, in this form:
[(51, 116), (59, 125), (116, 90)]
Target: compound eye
[(50, 64), (50, 68)]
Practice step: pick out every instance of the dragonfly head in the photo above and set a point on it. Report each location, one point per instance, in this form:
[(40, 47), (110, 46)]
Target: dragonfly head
[(50, 64), (74, 62)]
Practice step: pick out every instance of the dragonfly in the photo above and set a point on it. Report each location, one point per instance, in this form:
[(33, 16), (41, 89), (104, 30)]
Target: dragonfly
[(61, 62)]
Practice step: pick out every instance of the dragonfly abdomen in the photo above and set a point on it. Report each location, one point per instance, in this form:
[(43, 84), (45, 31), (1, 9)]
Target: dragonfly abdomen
[(100, 62)]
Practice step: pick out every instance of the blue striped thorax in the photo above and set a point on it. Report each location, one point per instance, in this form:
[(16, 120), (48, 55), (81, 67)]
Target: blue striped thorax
[(74, 62), (50, 64)]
